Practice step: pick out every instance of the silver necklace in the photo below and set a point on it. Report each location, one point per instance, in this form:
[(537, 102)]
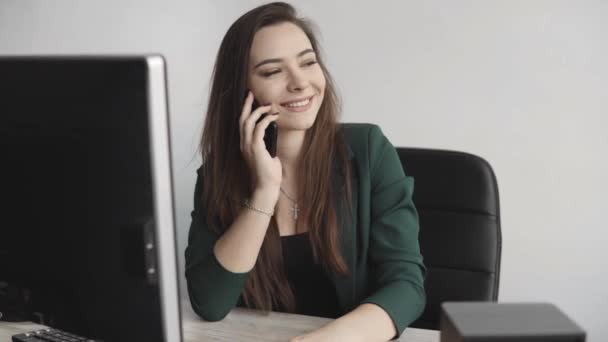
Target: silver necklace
[(295, 208)]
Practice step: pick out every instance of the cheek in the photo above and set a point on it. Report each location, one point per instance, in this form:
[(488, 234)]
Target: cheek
[(266, 92), (320, 80)]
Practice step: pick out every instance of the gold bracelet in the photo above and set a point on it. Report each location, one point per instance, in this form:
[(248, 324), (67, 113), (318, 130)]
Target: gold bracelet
[(249, 206)]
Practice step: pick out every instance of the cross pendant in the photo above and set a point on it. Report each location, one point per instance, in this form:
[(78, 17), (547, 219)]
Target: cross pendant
[(295, 210)]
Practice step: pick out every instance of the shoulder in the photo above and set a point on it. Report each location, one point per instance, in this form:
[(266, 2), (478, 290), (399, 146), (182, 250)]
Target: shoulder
[(365, 140), (354, 132)]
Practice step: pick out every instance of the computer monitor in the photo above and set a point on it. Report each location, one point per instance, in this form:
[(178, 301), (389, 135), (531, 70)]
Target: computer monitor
[(87, 240)]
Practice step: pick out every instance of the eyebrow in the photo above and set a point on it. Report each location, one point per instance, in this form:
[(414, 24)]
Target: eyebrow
[(277, 60)]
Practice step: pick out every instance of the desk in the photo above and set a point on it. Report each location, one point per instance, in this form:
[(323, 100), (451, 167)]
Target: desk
[(252, 326), (8, 329), (241, 325)]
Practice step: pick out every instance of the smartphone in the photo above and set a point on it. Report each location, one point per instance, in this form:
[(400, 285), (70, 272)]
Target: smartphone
[(270, 135)]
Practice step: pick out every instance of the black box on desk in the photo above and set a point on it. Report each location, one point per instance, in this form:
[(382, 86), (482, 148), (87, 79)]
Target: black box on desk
[(506, 322)]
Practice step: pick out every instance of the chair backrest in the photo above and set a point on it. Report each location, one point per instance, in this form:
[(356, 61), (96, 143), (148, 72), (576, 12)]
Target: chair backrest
[(456, 195)]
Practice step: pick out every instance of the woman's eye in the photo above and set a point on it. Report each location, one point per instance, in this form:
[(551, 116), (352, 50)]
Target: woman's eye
[(268, 74)]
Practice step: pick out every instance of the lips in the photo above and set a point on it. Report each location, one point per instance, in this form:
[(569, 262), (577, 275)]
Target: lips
[(296, 100)]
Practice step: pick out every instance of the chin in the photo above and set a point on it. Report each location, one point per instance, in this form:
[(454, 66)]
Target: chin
[(299, 121), (292, 126)]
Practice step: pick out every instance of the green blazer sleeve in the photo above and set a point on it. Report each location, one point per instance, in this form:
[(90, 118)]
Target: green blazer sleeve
[(396, 263), (212, 289)]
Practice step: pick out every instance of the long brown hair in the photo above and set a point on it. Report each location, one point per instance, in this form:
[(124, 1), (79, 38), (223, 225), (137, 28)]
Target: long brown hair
[(226, 177)]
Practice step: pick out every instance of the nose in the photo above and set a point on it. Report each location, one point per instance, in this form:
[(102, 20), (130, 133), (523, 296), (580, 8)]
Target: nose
[(298, 81)]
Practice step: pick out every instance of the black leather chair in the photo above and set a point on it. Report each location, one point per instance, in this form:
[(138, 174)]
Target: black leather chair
[(456, 195)]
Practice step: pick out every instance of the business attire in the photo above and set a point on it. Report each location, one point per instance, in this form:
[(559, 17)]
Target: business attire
[(380, 244), (313, 290)]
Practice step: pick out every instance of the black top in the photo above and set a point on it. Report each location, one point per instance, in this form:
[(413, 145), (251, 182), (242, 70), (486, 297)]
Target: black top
[(314, 293)]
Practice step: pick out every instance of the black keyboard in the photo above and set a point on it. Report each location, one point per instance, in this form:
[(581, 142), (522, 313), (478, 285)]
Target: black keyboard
[(49, 335)]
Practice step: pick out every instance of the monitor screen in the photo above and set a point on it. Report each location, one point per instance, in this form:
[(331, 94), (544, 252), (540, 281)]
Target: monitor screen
[(87, 230)]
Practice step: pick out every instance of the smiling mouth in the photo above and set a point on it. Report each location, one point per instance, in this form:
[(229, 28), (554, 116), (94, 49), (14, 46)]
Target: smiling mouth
[(298, 104)]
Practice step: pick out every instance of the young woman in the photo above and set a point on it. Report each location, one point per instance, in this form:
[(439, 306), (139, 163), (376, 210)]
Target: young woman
[(327, 227)]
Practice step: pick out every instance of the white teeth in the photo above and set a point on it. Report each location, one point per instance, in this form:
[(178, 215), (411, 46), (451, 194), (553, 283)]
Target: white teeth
[(299, 104)]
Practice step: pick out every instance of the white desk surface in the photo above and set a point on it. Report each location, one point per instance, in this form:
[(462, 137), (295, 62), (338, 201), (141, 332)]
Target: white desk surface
[(241, 325)]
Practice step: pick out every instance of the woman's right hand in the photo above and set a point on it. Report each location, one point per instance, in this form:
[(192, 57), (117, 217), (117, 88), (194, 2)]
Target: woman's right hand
[(265, 170)]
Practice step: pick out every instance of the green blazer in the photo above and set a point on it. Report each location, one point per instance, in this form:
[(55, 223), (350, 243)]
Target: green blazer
[(383, 254)]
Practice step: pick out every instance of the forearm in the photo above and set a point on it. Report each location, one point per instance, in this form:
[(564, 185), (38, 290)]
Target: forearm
[(216, 281), (238, 248), (367, 323)]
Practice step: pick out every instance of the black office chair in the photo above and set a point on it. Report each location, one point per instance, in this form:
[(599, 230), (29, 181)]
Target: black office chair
[(456, 195)]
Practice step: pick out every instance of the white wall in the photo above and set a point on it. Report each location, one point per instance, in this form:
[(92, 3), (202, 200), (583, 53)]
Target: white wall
[(523, 84)]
